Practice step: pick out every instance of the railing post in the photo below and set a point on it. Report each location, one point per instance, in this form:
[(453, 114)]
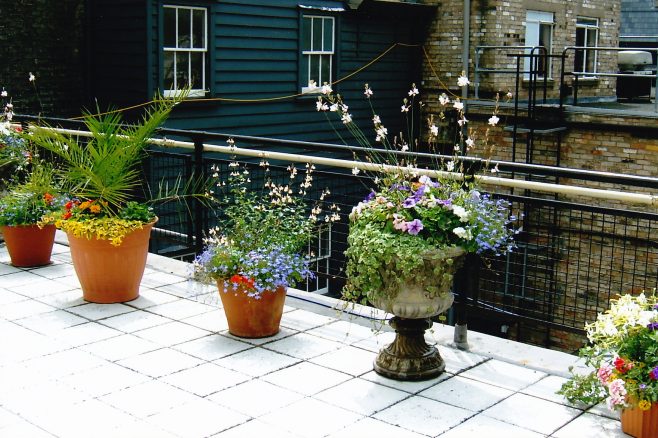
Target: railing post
[(198, 220), (467, 282)]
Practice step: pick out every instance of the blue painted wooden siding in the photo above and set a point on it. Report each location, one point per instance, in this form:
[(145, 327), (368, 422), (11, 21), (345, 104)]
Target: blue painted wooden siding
[(255, 54)]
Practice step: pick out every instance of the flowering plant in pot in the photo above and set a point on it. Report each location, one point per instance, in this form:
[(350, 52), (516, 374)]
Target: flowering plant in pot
[(623, 353), (107, 227), (23, 211), (411, 233), (14, 154), (256, 252)]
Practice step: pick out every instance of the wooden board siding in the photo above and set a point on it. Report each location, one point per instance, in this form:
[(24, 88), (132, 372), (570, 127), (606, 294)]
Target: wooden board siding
[(255, 53)]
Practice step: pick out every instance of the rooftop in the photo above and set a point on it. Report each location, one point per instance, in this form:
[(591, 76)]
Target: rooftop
[(164, 365)]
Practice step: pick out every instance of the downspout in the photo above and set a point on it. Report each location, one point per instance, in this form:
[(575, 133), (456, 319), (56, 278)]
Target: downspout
[(460, 338)]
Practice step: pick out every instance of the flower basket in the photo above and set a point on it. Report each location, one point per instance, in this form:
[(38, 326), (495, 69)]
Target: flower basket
[(251, 316), (110, 273), (640, 424), (29, 245)]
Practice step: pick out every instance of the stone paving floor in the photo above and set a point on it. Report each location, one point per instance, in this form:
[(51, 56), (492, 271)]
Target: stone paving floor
[(165, 366)]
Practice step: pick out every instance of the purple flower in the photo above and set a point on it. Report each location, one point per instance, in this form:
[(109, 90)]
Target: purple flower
[(414, 227), (400, 187), (652, 326), (654, 373), (419, 193), (409, 203), (370, 196)]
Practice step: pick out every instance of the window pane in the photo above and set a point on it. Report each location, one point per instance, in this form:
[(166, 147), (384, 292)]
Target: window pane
[(184, 27), (315, 69), (169, 70), (305, 73), (580, 37), (199, 28), (325, 68), (317, 34), (197, 70), (587, 21), (182, 66), (169, 27), (328, 35), (306, 33), (591, 37)]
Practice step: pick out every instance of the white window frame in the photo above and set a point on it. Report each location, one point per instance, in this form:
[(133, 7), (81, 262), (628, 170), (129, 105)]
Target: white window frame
[(319, 82), (319, 256), (535, 20), (199, 92), (585, 23)]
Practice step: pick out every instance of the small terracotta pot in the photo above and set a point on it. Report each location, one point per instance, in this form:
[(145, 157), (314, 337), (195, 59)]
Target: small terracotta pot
[(29, 245), (107, 273), (640, 424), (249, 317)]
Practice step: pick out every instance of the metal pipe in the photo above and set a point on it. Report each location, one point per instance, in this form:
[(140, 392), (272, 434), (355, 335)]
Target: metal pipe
[(636, 198)]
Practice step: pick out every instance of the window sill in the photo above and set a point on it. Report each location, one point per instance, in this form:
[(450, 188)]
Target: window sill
[(193, 94)]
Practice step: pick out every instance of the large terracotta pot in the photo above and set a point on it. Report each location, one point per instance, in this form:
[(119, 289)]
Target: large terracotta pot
[(409, 357), (249, 317), (640, 424), (29, 245), (108, 273)]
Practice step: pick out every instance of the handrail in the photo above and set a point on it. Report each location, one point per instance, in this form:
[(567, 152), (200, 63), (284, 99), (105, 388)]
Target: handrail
[(636, 198)]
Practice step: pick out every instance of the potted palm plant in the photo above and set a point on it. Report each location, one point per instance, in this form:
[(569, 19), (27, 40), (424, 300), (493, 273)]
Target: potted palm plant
[(107, 229), (29, 236), (255, 253), (410, 235)]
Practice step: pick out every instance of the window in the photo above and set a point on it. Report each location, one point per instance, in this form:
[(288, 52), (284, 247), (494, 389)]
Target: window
[(317, 46), (587, 35), (185, 50), (539, 33)]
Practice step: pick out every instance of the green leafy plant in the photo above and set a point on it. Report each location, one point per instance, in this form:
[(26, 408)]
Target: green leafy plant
[(624, 355), (102, 174), (408, 227), (259, 243)]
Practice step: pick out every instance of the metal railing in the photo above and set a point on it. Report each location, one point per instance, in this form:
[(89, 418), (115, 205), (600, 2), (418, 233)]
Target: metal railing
[(572, 257)]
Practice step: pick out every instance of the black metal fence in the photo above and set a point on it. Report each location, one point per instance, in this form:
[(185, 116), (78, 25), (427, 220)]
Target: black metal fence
[(571, 259)]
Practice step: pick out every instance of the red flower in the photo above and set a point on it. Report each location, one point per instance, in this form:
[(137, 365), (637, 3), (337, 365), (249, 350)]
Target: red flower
[(68, 205), (48, 198), (622, 366), (66, 215), (239, 279), (18, 128)]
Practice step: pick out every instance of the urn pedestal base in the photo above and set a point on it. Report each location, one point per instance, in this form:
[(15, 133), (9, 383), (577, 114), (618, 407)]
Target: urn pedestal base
[(409, 357)]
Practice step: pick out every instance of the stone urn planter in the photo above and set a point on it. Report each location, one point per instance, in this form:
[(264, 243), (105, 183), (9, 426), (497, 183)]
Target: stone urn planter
[(640, 424), (409, 357), (29, 245), (250, 317), (109, 273)]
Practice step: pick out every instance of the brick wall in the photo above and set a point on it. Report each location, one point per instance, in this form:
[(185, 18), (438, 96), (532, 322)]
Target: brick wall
[(45, 38), (502, 23)]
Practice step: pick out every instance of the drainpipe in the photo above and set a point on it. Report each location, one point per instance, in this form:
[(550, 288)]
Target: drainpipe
[(460, 335)]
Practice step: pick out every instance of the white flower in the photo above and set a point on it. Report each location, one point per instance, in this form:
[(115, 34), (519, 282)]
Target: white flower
[(404, 108), (458, 105), (312, 84), (356, 171), (413, 91), (333, 108), (460, 212), (509, 95), (493, 120), (444, 99), (326, 89), (469, 143), (347, 118), (376, 120), (462, 81), (4, 93), (462, 121), (31, 77), (321, 106), (434, 130), (463, 233), (344, 107), (450, 166), (381, 133), (404, 148), (368, 92)]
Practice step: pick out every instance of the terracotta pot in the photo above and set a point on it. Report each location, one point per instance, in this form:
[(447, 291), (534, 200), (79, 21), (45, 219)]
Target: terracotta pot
[(29, 245), (249, 317), (640, 424), (107, 273)]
